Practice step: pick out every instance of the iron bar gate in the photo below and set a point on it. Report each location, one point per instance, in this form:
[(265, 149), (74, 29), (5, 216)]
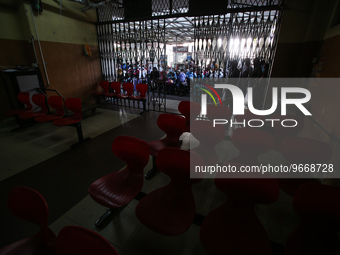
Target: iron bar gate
[(240, 29), (224, 42), (135, 43)]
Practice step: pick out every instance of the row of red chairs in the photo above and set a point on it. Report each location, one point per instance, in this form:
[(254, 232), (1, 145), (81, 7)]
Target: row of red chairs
[(171, 210), (58, 118), (29, 205), (115, 90)]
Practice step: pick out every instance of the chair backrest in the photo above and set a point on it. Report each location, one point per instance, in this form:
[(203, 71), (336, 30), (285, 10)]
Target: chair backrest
[(75, 240), (173, 125), (116, 87), (304, 150), (105, 85), (252, 140), (128, 88), (142, 88), (74, 104), (248, 115), (281, 130), (175, 163), (24, 97), (40, 100), (218, 112), (57, 103), (190, 110), (206, 133), (28, 205), (134, 151)]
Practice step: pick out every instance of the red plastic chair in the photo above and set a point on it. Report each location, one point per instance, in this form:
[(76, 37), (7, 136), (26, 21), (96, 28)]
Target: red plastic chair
[(73, 104), (57, 103), (75, 240), (280, 132), (248, 115), (318, 207), (105, 85), (30, 205), (251, 143), (190, 111), (127, 91), (116, 87), (171, 209), (173, 126), (233, 228), (208, 137), (218, 112), (23, 97), (117, 189), (39, 100), (298, 150), (105, 88), (141, 89)]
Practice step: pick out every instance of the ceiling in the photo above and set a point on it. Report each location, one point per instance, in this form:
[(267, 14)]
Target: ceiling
[(180, 29)]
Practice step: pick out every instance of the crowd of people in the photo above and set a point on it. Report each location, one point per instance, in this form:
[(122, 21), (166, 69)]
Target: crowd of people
[(178, 81)]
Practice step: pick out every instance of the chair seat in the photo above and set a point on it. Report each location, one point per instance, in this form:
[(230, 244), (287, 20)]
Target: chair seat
[(114, 190), (137, 98), (23, 97), (158, 145), (66, 121), (29, 115), (47, 117), (110, 94), (122, 96), (171, 212)]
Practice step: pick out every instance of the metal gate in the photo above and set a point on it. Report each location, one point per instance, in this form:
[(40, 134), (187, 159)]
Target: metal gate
[(243, 29), (124, 45), (248, 32), (235, 36)]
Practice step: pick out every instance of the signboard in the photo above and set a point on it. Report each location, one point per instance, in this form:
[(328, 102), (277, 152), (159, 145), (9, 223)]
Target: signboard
[(181, 49)]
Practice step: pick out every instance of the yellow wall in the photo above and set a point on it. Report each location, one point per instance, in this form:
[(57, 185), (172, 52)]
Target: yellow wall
[(62, 33), (67, 25)]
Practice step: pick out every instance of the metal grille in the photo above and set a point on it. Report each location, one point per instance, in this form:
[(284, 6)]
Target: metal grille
[(111, 11), (168, 7), (180, 6), (136, 42), (247, 29), (235, 36), (252, 3), (160, 7), (131, 42)]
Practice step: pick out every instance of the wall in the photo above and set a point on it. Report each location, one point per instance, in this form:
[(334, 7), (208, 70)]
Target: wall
[(14, 36), (303, 27), (309, 47), (326, 103), (62, 30)]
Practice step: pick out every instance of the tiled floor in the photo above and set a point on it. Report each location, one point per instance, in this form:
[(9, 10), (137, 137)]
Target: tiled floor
[(27, 147), (125, 232)]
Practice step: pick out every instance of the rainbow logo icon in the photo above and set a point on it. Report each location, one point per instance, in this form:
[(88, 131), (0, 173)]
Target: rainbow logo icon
[(209, 93)]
